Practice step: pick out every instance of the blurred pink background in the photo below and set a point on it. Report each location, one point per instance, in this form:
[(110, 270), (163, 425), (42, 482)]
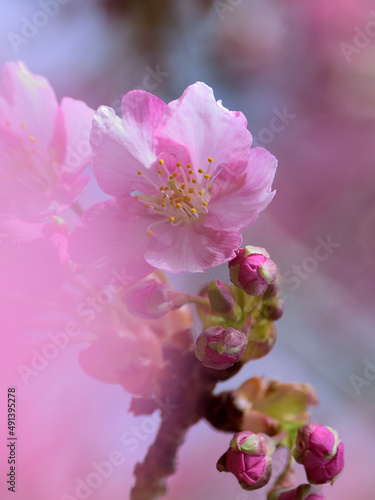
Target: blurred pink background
[(303, 74)]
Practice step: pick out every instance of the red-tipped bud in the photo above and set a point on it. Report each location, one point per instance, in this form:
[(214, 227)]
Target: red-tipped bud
[(320, 450), (249, 459), (220, 348), (303, 492), (252, 270)]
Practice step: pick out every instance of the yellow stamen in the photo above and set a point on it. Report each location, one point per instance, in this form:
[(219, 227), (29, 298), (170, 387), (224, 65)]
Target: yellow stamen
[(163, 204), (171, 219), (149, 233), (147, 205), (194, 181), (137, 196), (191, 190), (191, 172), (175, 174), (201, 192), (178, 205), (140, 172), (210, 160), (200, 170), (206, 176), (32, 138), (160, 171), (205, 203), (193, 210), (183, 186), (161, 162), (178, 164)]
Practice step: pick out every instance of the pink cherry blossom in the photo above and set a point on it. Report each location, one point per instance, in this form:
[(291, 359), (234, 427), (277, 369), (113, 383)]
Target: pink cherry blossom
[(184, 182), (42, 144)]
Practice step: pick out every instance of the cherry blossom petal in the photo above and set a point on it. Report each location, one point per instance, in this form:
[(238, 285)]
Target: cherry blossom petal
[(124, 146), (206, 129), (110, 240), (78, 123), (190, 248), (237, 201)]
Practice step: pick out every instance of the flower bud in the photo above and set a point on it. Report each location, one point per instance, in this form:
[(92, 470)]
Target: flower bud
[(320, 450), (149, 299), (249, 459), (252, 270), (220, 298), (261, 339), (303, 492), (220, 348), (274, 311)]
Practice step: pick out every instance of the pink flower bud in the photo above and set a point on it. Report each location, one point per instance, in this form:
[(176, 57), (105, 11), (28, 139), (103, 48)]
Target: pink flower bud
[(320, 450), (149, 299), (303, 492), (220, 298), (249, 459), (220, 348), (252, 270)]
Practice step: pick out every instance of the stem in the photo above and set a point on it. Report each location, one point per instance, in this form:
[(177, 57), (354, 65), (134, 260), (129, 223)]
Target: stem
[(192, 389), (181, 298)]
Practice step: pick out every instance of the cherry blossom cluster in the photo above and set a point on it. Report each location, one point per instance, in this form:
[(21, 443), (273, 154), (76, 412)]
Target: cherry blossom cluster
[(181, 181)]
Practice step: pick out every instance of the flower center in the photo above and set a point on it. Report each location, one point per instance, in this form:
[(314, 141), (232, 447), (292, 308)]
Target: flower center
[(182, 195)]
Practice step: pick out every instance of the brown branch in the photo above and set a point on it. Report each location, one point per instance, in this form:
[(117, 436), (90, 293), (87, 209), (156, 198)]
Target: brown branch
[(190, 386)]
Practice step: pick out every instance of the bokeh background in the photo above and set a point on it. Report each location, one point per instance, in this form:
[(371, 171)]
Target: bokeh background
[(303, 73)]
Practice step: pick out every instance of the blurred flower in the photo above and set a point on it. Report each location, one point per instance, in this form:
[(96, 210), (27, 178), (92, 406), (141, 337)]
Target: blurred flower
[(320, 450), (42, 145), (220, 348), (149, 299), (184, 182), (252, 36), (33, 256), (129, 356), (252, 270), (249, 459)]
